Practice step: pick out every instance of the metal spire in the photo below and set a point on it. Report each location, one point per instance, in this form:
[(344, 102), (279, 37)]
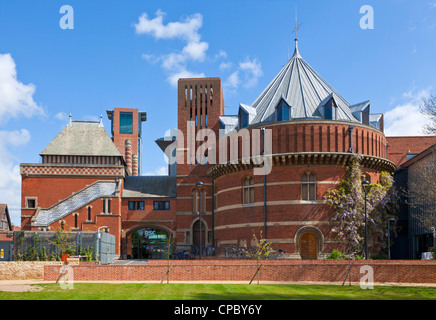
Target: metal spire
[(297, 27)]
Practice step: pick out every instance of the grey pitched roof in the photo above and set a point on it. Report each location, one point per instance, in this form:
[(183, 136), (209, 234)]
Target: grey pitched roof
[(99, 189), (82, 138), (302, 88), (150, 187)]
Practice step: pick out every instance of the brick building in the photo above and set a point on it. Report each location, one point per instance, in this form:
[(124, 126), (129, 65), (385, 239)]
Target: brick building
[(305, 131)]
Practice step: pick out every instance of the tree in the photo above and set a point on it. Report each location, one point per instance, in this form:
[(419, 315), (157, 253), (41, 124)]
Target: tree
[(421, 190), (262, 250), (428, 108), (348, 202)]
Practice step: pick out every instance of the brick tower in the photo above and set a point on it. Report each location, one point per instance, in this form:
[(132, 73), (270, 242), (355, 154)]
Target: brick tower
[(126, 128), (200, 104)]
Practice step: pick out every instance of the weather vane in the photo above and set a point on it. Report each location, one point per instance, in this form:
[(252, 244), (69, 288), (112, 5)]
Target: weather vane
[(297, 26)]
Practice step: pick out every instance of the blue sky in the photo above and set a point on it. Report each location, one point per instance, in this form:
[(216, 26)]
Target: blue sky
[(130, 53)]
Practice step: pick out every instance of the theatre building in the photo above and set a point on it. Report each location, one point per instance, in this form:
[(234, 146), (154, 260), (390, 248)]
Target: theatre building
[(307, 130)]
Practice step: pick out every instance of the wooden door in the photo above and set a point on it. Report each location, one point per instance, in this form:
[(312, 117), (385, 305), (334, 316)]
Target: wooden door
[(196, 234), (309, 248)]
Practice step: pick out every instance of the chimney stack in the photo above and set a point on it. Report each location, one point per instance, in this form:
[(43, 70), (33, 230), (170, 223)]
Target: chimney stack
[(128, 156), (135, 165)]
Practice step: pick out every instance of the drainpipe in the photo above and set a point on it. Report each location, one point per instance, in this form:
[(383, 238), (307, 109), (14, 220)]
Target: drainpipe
[(350, 129), (213, 212), (264, 186)]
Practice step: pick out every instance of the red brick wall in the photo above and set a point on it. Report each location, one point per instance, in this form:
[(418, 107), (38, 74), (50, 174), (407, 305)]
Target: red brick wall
[(120, 138), (191, 100), (399, 147), (280, 271)]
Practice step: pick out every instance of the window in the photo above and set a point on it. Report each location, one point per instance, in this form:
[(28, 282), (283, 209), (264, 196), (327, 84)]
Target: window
[(283, 111), (106, 205), (75, 221), (136, 205), (89, 213), (243, 118), (161, 205), (248, 190), (330, 110), (308, 186), (194, 201), (126, 122), (31, 203)]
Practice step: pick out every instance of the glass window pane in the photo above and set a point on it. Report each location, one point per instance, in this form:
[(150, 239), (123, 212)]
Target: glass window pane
[(312, 177), (131, 205), (126, 122), (304, 192), (141, 205), (312, 191), (167, 205), (285, 113), (245, 195), (251, 195)]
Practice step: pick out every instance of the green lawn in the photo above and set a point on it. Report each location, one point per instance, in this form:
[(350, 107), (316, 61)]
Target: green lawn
[(99, 291)]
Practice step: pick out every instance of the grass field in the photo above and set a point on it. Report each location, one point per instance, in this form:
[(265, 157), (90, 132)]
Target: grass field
[(99, 291)]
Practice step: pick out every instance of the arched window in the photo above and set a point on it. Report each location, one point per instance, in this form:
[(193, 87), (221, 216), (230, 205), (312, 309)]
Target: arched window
[(308, 186), (195, 201), (198, 203), (248, 190), (89, 213), (75, 220)]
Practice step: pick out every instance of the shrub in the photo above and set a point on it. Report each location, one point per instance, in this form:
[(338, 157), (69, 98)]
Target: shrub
[(336, 255)]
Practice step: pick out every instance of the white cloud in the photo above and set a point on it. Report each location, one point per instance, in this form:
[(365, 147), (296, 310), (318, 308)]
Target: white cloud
[(247, 75), (405, 119), (10, 182), (174, 78), (16, 98), (225, 66), (253, 71), (175, 63), (61, 116)]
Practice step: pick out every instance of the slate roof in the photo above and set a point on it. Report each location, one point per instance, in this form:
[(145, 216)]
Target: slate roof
[(302, 88), (97, 190), (82, 138), (150, 187)]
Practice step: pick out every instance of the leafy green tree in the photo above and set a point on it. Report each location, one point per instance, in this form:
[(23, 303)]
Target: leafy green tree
[(348, 202)]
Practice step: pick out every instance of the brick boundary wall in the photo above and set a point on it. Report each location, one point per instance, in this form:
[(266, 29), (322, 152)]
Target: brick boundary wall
[(280, 271)]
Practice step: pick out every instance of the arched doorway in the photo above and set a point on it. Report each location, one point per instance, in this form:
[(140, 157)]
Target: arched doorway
[(309, 242), (309, 248), (149, 243), (196, 233)]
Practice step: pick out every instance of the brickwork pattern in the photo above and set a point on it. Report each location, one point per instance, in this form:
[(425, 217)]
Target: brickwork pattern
[(279, 271)]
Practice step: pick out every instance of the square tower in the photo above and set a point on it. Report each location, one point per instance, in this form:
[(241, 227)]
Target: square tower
[(126, 129)]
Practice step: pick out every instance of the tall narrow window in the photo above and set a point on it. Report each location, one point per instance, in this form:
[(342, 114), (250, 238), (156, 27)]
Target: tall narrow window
[(248, 190), (194, 201), (126, 122), (75, 221), (283, 112), (308, 186), (89, 213)]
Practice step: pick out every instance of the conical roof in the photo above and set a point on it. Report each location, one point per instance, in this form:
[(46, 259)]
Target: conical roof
[(303, 89)]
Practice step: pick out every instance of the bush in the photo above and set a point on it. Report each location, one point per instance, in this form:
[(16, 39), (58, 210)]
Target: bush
[(336, 255)]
